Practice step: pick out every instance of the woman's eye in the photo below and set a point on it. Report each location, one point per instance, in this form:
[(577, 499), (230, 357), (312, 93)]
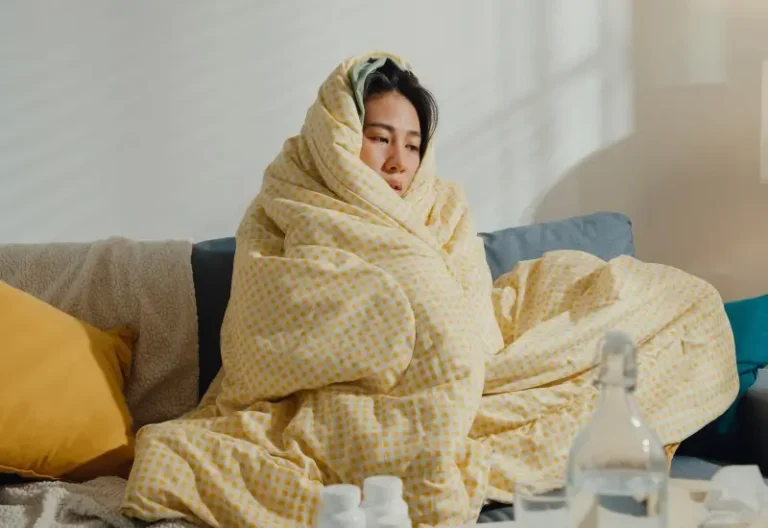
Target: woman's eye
[(382, 140), (414, 148)]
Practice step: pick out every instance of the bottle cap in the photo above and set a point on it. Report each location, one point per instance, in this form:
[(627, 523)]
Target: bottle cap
[(340, 497), (382, 488), (618, 363), (617, 339)]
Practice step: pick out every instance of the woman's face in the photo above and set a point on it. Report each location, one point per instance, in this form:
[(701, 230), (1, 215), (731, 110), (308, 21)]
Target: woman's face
[(391, 139)]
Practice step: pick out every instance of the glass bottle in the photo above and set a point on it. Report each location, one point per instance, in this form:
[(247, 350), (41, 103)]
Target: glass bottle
[(617, 467)]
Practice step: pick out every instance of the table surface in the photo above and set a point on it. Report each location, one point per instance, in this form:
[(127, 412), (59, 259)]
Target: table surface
[(685, 496), (680, 514)]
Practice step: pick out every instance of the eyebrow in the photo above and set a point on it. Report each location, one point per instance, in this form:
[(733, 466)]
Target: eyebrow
[(391, 129)]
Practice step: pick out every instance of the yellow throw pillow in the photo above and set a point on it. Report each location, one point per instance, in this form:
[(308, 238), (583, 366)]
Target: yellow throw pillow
[(62, 409)]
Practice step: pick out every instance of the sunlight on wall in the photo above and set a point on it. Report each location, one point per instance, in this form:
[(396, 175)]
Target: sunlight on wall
[(706, 43), (689, 40), (563, 91)]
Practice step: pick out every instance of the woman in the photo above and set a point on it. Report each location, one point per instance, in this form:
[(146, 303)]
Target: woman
[(363, 336)]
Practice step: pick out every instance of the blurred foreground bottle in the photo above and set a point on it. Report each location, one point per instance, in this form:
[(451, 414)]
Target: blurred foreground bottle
[(617, 468)]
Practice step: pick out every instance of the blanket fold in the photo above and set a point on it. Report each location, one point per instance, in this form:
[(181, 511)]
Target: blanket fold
[(364, 336)]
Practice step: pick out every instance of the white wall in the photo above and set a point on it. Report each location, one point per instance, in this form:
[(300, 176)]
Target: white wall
[(156, 119)]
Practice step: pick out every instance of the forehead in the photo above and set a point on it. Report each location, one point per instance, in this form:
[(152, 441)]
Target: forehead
[(392, 108)]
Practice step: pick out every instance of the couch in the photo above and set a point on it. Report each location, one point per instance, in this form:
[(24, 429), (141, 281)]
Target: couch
[(603, 234)]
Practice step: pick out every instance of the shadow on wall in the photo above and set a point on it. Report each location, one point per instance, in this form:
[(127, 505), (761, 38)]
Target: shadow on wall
[(689, 175), (557, 87)]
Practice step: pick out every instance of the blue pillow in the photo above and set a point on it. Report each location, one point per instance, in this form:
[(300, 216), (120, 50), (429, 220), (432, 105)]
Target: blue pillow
[(749, 321), (605, 234)]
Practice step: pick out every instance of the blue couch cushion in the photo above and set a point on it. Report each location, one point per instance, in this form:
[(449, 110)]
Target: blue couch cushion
[(737, 436), (606, 235), (753, 421), (749, 322), (212, 262)]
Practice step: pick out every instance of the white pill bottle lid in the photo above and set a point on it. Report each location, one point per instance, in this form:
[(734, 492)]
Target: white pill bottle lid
[(340, 507), (383, 502)]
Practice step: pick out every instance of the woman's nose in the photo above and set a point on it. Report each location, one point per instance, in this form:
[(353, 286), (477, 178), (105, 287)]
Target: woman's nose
[(395, 162)]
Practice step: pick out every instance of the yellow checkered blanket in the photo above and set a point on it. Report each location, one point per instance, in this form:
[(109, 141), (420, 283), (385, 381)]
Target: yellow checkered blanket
[(364, 336)]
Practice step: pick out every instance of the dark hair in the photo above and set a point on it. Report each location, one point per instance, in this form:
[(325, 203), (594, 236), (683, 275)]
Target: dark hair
[(390, 78)]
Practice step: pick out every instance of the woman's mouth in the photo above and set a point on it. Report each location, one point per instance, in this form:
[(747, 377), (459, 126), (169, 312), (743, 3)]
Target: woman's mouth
[(398, 188)]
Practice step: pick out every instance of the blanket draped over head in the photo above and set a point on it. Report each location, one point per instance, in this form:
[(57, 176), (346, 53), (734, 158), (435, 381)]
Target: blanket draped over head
[(364, 336)]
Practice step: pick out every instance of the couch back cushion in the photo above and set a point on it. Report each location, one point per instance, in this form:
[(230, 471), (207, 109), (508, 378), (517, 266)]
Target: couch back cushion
[(212, 262), (606, 235)]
